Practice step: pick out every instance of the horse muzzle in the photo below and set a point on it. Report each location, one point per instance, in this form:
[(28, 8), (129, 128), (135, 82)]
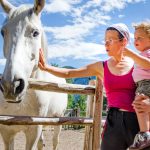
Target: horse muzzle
[(12, 91)]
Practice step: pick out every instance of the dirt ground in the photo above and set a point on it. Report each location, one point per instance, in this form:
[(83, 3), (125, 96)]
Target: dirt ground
[(69, 140)]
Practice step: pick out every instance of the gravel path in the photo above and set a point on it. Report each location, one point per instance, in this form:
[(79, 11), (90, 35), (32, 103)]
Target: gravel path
[(69, 140)]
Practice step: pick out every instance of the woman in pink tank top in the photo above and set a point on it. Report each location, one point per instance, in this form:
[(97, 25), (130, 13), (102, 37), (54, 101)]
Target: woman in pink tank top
[(116, 72)]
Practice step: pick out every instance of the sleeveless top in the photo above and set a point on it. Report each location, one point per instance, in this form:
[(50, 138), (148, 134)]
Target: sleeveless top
[(120, 89)]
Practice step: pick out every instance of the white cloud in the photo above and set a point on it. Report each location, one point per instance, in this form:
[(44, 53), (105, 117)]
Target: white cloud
[(70, 32), (58, 6), (18, 2), (81, 26), (62, 6), (84, 19), (121, 16), (135, 1), (132, 35), (2, 62), (110, 5), (80, 50)]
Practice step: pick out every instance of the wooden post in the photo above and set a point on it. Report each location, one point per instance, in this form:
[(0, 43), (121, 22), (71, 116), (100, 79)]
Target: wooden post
[(61, 88), (89, 113), (97, 115), (33, 120)]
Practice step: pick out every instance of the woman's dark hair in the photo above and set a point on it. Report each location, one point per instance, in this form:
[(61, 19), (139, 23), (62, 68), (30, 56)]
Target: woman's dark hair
[(120, 36)]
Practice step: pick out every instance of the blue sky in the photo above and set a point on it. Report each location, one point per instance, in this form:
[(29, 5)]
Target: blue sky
[(75, 28)]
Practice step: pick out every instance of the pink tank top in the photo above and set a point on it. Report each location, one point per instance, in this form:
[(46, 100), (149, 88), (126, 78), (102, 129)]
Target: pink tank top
[(120, 90)]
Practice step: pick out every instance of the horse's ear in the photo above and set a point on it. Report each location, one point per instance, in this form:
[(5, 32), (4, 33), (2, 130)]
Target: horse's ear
[(38, 6), (6, 6)]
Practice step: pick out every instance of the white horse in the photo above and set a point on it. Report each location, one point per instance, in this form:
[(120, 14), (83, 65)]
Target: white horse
[(23, 37)]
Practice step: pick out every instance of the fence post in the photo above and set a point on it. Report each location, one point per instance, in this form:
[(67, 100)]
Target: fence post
[(97, 115), (89, 113)]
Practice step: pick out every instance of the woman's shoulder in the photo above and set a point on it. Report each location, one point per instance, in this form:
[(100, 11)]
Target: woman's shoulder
[(97, 67)]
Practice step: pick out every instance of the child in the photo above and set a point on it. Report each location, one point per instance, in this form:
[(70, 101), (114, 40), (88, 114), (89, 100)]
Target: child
[(141, 75)]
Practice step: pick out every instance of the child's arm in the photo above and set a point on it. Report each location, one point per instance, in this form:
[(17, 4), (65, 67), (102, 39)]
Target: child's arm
[(138, 59)]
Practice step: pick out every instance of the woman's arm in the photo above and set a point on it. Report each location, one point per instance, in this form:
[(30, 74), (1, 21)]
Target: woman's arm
[(138, 59), (94, 69)]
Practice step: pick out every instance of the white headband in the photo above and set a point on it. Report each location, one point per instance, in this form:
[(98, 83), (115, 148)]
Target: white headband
[(123, 29)]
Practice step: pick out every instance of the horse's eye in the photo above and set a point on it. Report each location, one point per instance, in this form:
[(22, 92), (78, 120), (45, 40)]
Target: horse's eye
[(35, 33)]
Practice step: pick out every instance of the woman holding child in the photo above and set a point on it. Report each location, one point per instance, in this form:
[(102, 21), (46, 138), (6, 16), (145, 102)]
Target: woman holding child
[(116, 73)]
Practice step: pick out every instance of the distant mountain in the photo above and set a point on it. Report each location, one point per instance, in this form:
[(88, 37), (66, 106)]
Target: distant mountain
[(68, 67)]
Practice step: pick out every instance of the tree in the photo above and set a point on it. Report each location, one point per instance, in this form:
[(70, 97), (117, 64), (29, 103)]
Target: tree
[(70, 101), (54, 64)]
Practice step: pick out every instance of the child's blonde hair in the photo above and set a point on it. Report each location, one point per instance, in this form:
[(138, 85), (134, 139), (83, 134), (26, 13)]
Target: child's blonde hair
[(143, 25)]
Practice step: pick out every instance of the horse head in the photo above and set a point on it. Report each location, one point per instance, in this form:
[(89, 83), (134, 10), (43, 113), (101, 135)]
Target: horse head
[(22, 33)]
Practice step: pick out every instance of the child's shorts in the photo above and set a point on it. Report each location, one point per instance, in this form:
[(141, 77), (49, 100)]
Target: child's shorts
[(143, 87)]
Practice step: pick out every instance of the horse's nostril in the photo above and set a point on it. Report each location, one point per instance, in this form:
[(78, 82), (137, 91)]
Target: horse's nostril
[(18, 86)]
